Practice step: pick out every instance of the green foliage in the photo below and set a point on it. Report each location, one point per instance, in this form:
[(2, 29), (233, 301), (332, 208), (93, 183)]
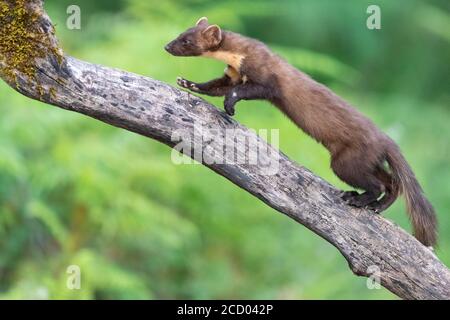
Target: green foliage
[(74, 191)]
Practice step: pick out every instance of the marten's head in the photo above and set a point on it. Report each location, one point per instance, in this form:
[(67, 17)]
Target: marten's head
[(197, 40)]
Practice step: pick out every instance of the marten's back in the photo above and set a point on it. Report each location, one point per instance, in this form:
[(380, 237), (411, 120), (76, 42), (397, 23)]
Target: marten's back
[(316, 109), (312, 106), (321, 113)]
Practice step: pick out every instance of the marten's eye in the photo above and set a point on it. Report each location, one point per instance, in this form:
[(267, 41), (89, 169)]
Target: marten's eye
[(186, 41)]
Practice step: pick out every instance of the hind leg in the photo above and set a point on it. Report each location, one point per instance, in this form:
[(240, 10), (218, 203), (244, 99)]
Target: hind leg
[(390, 194), (384, 203), (372, 186), (358, 174)]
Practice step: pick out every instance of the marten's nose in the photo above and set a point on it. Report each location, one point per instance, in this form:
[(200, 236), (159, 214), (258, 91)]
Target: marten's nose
[(167, 47)]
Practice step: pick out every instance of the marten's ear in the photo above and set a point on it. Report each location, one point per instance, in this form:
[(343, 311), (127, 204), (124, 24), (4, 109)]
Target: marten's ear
[(213, 34), (203, 21)]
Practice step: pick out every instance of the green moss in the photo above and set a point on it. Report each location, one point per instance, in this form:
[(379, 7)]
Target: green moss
[(22, 41), (52, 92)]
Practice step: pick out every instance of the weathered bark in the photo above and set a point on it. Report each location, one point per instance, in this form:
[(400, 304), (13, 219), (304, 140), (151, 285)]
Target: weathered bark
[(157, 110)]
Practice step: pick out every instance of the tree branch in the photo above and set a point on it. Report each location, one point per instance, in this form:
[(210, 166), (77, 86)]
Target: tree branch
[(157, 110)]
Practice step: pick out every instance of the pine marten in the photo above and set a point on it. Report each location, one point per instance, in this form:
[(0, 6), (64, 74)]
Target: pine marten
[(359, 150)]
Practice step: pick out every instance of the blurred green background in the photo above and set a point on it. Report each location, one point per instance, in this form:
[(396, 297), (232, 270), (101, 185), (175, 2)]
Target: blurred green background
[(74, 191)]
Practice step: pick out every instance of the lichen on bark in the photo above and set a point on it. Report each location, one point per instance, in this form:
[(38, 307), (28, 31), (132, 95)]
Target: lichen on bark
[(23, 40)]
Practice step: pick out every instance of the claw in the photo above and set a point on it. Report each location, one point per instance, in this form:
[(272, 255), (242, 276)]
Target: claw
[(193, 87), (372, 208), (187, 84), (181, 82)]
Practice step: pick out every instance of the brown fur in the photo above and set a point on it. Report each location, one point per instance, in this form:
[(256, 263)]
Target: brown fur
[(358, 148)]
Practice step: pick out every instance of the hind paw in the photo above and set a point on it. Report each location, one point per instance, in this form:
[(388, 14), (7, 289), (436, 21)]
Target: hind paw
[(347, 195)]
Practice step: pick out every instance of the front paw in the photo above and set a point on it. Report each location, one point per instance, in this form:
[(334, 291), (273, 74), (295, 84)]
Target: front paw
[(187, 84), (229, 106)]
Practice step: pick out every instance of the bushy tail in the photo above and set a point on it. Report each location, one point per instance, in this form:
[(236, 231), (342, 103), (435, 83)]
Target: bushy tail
[(420, 210)]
